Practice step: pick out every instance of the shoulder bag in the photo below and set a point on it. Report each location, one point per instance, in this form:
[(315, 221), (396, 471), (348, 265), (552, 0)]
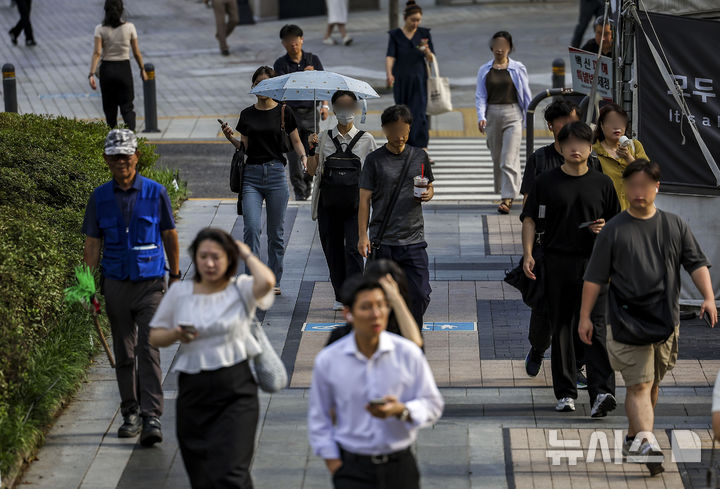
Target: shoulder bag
[(646, 319), (375, 243), (439, 99), (237, 174), (268, 369)]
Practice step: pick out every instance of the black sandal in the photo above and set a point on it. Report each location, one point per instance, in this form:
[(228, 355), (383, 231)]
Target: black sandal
[(505, 206)]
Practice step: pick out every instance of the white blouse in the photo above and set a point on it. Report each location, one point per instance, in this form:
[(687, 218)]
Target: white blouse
[(222, 322), (716, 395)]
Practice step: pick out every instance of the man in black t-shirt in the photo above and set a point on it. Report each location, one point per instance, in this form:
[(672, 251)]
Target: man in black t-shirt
[(640, 253), (404, 238), (603, 35), (298, 60), (570, 205), (557, 114)]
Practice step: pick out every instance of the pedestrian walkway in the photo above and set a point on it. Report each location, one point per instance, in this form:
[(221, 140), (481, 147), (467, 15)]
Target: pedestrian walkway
[(499, 428), (194, 80)]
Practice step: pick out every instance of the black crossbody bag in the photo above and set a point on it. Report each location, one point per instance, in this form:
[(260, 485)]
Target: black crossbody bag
[(375, 242), (237, 175), (647, 319)]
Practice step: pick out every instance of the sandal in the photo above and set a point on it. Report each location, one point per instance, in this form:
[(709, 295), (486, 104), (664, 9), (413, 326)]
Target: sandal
[(505, 206)]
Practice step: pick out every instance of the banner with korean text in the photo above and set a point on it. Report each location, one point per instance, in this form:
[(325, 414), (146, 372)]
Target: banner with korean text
[(691, 47)]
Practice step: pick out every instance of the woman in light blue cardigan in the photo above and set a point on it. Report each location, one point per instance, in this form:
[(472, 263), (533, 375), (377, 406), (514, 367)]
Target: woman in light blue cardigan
[(502, 97)]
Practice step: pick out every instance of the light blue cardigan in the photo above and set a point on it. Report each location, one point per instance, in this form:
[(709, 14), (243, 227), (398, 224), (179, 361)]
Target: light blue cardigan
[(519, 76)]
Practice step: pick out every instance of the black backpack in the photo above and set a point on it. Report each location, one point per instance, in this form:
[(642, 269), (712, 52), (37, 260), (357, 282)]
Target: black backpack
[(339, 187)]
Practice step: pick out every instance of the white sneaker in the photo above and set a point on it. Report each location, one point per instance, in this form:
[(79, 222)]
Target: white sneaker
[(565, 404), (604, 403), (347, 40), (329, 41), (338, 306)]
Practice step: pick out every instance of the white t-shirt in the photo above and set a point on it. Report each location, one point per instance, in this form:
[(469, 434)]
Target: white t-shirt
[(116, 41), (716, 395), (222, 322)]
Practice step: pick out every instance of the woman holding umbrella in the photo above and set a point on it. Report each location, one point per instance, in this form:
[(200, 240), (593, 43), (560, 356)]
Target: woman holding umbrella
[(261, 127), (408, 48)]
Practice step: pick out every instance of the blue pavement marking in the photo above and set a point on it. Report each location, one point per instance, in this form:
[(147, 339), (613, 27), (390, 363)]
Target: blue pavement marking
[(461, 326), (321, 327)]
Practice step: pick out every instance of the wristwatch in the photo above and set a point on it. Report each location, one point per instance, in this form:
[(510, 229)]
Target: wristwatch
[(405, 415), (175, 275)]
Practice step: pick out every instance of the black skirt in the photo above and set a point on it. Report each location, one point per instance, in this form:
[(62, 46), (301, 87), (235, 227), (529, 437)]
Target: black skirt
[(217, 416)]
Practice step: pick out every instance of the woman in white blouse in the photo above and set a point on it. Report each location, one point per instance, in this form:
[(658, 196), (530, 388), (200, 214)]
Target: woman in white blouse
[(217, 404)]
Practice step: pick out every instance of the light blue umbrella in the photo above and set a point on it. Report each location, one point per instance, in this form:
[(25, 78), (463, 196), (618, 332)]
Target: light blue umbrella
[(313, 85)]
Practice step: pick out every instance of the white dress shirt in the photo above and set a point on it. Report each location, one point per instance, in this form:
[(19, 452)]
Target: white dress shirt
[(365, 145), (716, 395), (222, 322), (344, 380)]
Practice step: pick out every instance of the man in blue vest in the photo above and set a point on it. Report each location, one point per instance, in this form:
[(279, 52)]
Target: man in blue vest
[(130, 219)]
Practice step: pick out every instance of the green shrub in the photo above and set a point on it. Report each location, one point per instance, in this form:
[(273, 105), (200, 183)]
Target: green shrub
[(48, 168)]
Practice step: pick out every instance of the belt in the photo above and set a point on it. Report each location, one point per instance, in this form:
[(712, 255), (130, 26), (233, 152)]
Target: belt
[(375, 459)]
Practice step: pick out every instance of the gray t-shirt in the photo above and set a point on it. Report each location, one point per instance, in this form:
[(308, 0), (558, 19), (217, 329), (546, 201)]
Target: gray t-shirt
[(629, 252), (380, 174)]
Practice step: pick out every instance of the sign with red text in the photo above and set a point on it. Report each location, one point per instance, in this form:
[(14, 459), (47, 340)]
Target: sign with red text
[(582, 71)]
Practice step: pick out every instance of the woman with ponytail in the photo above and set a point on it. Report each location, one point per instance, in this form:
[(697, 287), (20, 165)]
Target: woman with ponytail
[(113, 40)]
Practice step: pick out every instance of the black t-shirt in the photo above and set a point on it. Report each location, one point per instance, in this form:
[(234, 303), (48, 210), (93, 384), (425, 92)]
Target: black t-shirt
[(547, 158), (592, 47), (284, 65), (380, 174), (264, 133), (559, 203), (631, 252)]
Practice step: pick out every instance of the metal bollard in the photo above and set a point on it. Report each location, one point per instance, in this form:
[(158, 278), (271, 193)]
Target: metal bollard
[(9, 88), (151, 121), (558, 73)]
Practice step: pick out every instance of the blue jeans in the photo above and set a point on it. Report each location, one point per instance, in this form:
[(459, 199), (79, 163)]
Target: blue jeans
[(266, 182)]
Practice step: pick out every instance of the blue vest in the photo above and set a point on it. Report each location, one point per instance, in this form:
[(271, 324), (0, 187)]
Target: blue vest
[(136, 251)]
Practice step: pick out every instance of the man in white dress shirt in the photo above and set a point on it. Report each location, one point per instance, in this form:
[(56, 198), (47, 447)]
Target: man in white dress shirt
[(371, 391)]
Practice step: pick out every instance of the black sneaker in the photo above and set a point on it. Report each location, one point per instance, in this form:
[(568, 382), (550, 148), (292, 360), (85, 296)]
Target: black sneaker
[(13, 37), (649, 455), (151, 431), (533, 362), (581, 381), (131, 426), (30, 42)]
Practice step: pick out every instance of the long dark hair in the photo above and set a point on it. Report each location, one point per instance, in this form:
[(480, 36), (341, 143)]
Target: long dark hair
[(226, 242), (612, 107), (113, 13), (377, 269)]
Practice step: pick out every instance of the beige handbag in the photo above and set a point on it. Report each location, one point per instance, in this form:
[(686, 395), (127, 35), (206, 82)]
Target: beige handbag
[(438, 88)]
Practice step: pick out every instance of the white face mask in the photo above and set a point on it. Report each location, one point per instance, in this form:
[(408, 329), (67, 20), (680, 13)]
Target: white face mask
[(345, 117)]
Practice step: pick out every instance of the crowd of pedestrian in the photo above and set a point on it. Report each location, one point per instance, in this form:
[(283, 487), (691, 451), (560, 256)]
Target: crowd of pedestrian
[(608, 269)]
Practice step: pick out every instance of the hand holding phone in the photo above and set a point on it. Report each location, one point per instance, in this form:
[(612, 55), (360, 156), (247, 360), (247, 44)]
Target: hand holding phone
[(189, 333), (708, 320), (380, 401)]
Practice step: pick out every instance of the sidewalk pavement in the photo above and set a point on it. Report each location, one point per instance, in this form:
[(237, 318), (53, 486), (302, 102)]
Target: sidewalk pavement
[(499, 429), (195, 84)]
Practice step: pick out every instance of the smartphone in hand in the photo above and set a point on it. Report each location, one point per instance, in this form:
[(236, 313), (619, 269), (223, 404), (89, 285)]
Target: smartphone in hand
[(707, 319), (377, 402)]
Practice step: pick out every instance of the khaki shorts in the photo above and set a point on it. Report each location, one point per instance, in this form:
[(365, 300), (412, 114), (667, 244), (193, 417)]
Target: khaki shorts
[(643, 363)]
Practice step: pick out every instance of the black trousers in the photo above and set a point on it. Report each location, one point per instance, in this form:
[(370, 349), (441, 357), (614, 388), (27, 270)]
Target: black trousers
[(117, 89), (589, 9), (413, 259), (217, 416), (540, 334), (130, 307), (359, 472), (301, 182), (23, 24), (563, 287), (338, 230)]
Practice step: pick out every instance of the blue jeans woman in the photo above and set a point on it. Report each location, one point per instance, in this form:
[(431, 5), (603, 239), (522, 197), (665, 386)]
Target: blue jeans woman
[(261, 127)]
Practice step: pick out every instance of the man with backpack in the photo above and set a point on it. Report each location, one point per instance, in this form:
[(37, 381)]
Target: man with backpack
[(298, 60), (335, 159), (391, 183)]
